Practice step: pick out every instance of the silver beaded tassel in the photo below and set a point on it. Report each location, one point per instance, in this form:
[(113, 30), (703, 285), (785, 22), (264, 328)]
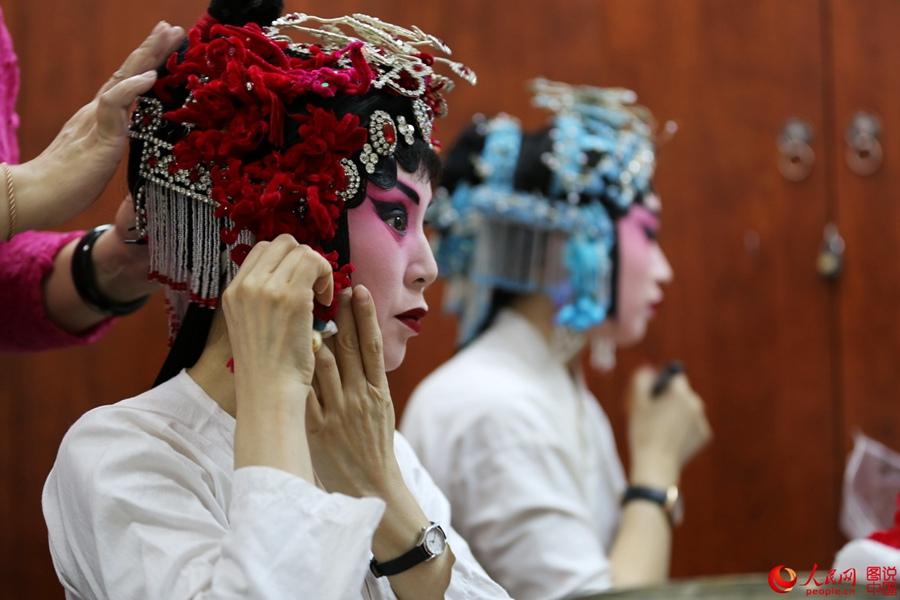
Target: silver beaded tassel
[(512, 256), (186, 249), (166, 214), (519, 257)]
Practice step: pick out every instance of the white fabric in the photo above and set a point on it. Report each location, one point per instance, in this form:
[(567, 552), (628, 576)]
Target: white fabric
[(526, 457), (143, 502), (863, 553), (871, 482)]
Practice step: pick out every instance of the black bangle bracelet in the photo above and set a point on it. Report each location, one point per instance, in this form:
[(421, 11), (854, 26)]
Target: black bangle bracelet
[(86, 282)]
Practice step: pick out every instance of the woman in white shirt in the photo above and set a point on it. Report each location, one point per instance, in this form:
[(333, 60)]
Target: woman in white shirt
[(284, 479), (549, 241)]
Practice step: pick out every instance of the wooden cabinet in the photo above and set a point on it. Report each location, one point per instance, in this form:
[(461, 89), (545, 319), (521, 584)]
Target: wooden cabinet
[(790, 364), (867, 208)]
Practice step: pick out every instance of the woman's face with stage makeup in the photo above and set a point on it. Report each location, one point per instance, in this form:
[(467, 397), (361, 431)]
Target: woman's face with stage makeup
[(392, 258), (643, 268)]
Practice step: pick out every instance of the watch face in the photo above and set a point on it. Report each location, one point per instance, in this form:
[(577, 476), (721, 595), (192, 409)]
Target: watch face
[(674, 505), (435, 541), (678, 512)]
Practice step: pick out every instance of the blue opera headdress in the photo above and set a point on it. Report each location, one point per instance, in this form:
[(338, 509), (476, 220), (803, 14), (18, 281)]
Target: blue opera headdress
[(535, 212)]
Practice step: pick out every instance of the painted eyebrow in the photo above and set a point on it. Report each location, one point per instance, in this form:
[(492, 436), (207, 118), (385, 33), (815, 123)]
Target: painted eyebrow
[(651, 220), (649, 212), (411, 193), (655, 223)]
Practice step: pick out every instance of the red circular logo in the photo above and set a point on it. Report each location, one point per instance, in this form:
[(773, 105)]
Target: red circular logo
[(782, 582)]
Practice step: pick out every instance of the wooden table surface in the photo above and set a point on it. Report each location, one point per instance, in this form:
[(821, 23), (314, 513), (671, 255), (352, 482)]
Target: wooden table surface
[(752, 586)]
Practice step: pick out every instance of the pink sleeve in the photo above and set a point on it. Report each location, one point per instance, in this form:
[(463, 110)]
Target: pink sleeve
[(25, 261), (9, 89)]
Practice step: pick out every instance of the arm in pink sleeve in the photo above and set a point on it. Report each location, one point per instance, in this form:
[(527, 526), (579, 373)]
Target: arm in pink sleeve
[(25, 261)]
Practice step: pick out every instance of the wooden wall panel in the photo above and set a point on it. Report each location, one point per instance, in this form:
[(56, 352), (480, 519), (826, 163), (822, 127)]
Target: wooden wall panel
[(865, 79)]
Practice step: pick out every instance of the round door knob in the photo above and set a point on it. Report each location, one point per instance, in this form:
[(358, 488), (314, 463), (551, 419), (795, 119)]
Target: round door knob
[(795, 154), (863, 153)]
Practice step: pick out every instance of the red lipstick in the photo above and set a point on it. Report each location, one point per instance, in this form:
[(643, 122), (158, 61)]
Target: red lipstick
[(412, 318)]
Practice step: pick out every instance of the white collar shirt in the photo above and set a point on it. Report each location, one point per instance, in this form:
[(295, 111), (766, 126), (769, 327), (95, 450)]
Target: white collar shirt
[(526, 456), (143, 502)]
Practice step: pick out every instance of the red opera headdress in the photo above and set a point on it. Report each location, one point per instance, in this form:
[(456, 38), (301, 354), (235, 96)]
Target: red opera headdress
[(250, 133)]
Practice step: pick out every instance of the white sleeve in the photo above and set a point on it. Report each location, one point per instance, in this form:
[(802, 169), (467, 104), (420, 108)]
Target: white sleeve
[(527, 520), (130, 517), (469, 580)]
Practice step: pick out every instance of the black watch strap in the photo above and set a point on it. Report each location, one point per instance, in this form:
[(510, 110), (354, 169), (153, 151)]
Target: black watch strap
[(640, 492), (657, 496), (396, 566), (419, 554), (85, 279)]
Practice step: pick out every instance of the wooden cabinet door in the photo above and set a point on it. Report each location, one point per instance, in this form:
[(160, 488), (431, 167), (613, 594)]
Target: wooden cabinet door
[(866, 59)]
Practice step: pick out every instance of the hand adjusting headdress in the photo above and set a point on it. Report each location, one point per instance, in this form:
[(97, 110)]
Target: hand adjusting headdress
[(250, 133), (535, 212)]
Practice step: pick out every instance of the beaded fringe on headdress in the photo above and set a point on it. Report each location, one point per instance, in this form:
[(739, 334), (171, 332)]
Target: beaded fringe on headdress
[(195, 267), (523, 258)]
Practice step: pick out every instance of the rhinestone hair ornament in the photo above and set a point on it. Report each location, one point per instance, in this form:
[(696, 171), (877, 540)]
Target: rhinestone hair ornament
[(237, 143), (492, 236), (395, 51)]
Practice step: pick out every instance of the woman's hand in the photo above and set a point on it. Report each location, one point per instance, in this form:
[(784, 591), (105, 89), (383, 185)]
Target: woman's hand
[(665, 432), (73, 170), (350, 425), (120, 267), (269, 315), (350, 420), (269, 311), (120, 274)]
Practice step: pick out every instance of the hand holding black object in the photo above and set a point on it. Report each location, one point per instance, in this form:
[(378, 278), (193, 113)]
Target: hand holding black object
[(667, 425), (670, 370)]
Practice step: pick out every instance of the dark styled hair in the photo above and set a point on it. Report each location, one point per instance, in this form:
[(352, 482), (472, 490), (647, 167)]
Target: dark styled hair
[(417, 158)]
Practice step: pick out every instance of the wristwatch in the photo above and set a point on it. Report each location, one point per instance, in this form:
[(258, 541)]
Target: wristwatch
[(668, 499), (431, 543)]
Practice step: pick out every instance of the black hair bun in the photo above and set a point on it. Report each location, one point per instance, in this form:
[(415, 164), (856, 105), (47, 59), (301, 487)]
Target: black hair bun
[(241, 12), (459, 162)]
